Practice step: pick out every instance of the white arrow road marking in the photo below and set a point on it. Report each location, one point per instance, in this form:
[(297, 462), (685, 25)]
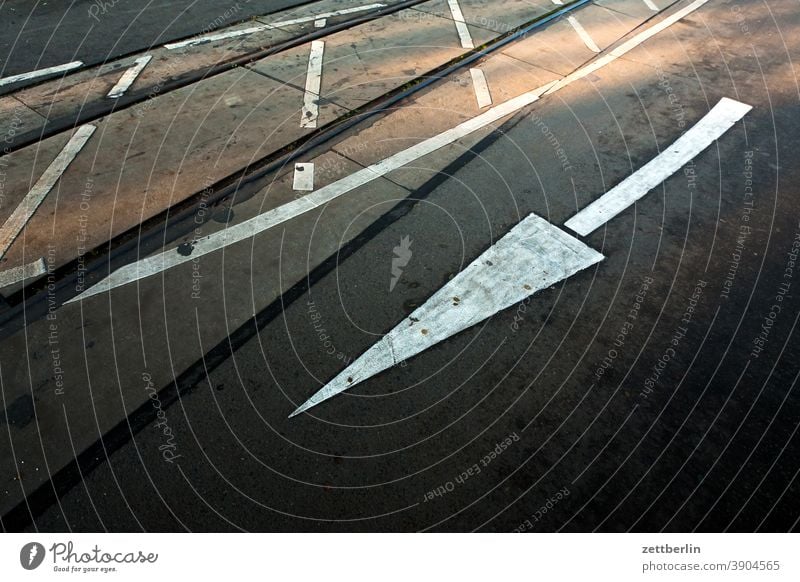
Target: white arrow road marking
[(22, 214), (461, 25), (19, 274), (253, 29), (310, 112), (303, 177), (249, 228), (267, 220), (587, 40), (714, 124), (40, 73), (481, 88), (534, 255), (129, 77)]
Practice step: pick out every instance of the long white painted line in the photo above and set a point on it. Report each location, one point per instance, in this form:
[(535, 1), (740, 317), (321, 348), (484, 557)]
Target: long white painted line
[(215, 37), (587, 40), (129, 77), (253, 226), (481, 88), (314, 17), (627, 46), (22, 214), (40, 73), (303, 177), (310, 112), (19, 274), (651, 5), (534, 255), (461, 25), (716, 122)]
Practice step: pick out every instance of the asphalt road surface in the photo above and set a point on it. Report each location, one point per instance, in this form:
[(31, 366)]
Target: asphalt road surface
[(651, 387)]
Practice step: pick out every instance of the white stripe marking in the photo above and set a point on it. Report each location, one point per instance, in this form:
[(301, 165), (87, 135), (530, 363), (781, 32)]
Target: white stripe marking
[(129, 77), (461, 25), (481, 88), (716, 122), (320, 23), (272, 218), (40, 73), (310, 112), (534, 255), (587, 40), (257, 224), (215, 37), (19, 274), (626, 46), (328, 14), (651, 5), (558, 2), (303, 177), (22, 214)]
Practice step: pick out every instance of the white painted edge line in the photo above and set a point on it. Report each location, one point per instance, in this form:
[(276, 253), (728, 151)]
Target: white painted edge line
[(322, 15), (253, 226), (215, 37), (22, 214), (310, 112), (723, 116), (461, 25), (587, 40), (533, 256), (627, 46), (481, 87), (303, 177), (19, 274), (129, 77), (40, 73), (651, 5)]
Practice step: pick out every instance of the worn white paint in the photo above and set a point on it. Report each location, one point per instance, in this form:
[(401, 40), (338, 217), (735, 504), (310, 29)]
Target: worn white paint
[(40, 73), (303, 177), (22, 214), (129, 77), (710, 128), (651, 5), (215, 37), (315, 17), (534, 255), (461, 26), (16, 275), (587, 40), (320, 23), (482, 94), (310, 112)]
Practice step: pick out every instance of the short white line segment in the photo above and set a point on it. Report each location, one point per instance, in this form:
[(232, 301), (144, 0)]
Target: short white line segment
[(303, 177), (320, 23), (481, 88), (19, 274), (461, 25), (716, 122), (651, 5), (315, 17), (40, 73), (587, 40), (310, 112), (129, 77), (534, 255), (22, 214)]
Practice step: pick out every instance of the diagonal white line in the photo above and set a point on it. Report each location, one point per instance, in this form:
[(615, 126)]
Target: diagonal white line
[(129, 77), (310, 112), (40, 73), (482, 94), (461, 25), (19, 274), (22, 214), (587, 40), (715, 123)]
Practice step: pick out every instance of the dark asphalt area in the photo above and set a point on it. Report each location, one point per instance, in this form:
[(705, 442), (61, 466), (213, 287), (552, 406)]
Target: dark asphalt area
[(41, 34), (655, 391)]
